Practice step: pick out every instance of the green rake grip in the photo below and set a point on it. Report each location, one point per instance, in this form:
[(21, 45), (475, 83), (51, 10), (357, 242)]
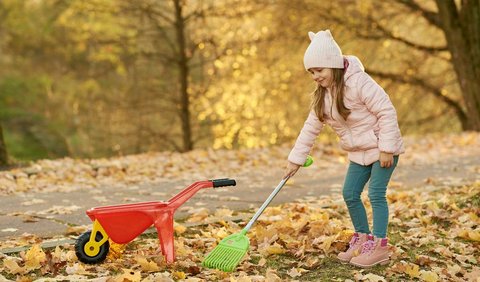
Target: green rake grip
[(308, 162)]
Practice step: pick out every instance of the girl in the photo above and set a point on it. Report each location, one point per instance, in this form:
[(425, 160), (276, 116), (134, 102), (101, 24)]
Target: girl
[(362, 115)]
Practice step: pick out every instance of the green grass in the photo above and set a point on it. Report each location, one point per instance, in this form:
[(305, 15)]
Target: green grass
[(329, 268), (473, 201)]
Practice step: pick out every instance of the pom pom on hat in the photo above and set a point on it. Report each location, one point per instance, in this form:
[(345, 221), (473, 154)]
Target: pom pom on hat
[(323, 51)]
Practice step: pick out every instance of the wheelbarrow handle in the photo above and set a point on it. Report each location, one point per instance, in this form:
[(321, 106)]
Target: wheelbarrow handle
[(223, 182)]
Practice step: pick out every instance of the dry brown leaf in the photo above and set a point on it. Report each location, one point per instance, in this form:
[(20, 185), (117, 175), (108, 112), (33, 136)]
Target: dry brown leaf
[(179, 229), (474, 275), (76, 268), (129, 275), (76, 230), (370, 277), (429, 276), (223, 213), (12, 266), (271, 276), (296, 272), (267, 249), (147, 266)]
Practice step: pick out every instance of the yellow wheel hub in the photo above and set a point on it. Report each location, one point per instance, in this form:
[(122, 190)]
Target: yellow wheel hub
[(92, 248)]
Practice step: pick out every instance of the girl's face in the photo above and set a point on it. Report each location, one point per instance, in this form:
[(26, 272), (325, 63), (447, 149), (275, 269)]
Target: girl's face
[(322, 76)]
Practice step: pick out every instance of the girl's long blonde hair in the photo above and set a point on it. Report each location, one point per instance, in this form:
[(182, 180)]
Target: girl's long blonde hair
[(318, 96)]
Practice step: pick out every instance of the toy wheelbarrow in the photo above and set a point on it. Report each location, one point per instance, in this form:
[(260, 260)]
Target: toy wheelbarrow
[(123, 223)]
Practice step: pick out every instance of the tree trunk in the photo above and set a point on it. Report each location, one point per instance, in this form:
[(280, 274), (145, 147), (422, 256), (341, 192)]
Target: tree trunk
[(183, 78), (462, 31), (3, 150)]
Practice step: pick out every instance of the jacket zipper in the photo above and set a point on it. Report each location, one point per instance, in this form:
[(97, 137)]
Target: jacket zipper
[(340, 118)]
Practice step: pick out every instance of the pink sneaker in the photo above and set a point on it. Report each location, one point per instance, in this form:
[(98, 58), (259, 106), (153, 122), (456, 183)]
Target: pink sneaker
[(355, 246), (373, 252)]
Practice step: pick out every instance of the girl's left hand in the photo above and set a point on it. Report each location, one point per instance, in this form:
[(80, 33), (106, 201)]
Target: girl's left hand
[(386, 159)]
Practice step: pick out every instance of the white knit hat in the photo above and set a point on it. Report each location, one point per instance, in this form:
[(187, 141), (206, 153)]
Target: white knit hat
[(323, 51)]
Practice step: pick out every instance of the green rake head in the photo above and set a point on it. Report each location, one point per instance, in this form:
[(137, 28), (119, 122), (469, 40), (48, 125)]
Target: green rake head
[(228, 253)]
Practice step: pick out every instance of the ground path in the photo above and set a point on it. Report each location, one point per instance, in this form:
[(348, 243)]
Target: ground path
[(50, 214)]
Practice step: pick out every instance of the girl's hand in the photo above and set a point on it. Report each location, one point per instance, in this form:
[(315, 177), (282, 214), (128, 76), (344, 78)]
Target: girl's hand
[(291, 170), (386, 159)]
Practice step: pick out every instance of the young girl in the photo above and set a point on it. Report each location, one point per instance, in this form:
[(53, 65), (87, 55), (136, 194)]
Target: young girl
[(362, 115)]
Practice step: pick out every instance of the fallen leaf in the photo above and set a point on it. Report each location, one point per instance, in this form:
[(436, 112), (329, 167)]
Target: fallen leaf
[(76, 230), (34, 257), (275, 249), (76, 268), (116, 250), (179, 229), (474, 275), (12, 266), (179, 275), (370, 277), (271, 276), (129, 275), (412, 270), (33, 202), (474, 235), (296, 272), (147, 266), (429, 276)]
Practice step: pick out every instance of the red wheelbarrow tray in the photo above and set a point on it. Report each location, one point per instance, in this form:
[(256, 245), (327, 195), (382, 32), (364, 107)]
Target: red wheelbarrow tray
[(123, 223)]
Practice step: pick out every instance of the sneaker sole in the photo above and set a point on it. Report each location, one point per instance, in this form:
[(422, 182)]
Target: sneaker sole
[(382, 262)]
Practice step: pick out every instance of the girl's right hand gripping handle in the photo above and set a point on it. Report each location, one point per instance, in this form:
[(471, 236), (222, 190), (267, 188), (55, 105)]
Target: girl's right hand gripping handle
[(223, 182)]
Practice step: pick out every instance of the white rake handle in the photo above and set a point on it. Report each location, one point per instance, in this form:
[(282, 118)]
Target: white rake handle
[(265, 204)]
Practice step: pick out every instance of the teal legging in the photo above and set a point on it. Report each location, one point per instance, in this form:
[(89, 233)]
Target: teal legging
[(357, 177)]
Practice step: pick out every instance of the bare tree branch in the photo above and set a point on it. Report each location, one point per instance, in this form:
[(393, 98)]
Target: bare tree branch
[(431, 17), (385, 33), (388, 34), (423, 84)]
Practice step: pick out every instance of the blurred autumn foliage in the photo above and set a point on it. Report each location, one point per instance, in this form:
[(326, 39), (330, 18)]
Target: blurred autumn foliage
[(112, 77)]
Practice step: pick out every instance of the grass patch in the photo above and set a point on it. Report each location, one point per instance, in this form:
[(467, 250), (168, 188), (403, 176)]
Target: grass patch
[(278, 262), (255, 259), (444, 223), (473, 201), (330, 269)]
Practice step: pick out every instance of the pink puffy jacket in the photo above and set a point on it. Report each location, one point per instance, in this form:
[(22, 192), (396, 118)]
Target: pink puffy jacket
[(370, 128)]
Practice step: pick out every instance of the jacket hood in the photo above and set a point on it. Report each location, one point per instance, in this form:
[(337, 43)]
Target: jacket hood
[(354, 66)]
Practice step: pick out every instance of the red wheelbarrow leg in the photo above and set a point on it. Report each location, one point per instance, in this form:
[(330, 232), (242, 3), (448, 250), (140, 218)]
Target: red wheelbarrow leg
[(164, 225)]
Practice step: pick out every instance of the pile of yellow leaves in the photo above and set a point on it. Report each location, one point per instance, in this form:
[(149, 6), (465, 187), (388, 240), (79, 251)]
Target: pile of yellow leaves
[(434, 235)]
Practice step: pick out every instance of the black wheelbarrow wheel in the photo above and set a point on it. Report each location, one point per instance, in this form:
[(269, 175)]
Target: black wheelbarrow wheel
[(82, 256)]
